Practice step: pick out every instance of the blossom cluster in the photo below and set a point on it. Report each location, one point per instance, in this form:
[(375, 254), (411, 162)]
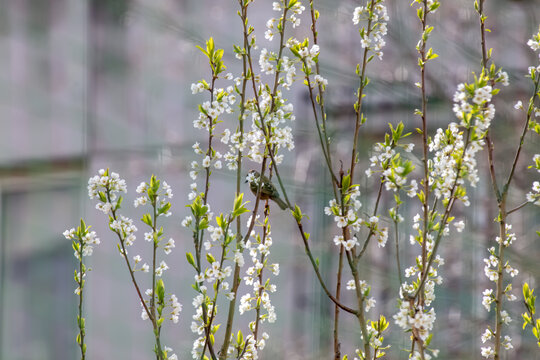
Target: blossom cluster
[(455, 148), (269, 125), (106, 187), (348, 216), (82, 240), (154, 193), (533, 196), (393, 166), (491, 270), (415, 318), (258, 299), (419, 320), (209, 111), (375, 330), (85, 239), (198, 324), (377, 17)]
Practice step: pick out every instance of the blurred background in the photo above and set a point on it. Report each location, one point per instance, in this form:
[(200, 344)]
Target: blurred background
[(106, 83)]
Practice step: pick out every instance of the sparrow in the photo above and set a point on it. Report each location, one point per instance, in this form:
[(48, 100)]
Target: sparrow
[(268, 190)]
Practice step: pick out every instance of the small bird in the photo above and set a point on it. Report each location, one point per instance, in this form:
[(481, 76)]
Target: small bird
[(268, 190)]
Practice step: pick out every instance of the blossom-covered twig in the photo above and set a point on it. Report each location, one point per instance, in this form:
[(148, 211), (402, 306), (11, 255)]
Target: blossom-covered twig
[(82, 240), (105, 187), (506, 237)]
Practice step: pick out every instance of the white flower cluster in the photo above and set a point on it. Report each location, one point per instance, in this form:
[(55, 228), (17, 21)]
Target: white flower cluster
[(265, 59), (173, 303), (488, 351), (449, 148), (252, 347), (377, 16), (223, 99), (161, 268), (455, 148), (534, 42), (488, 296), (105, 187), (430, 241), (534, 73), (137, 259), (198, 323), (176, 308), (261, 292), (215, 272), (353, 220), (78, 279), (170, 357), (259, 297), (393, 167), (295, 11), (420, 320), (124, 227), (278, 113), (418, 356), (416, 318), (363, 285), (288, 67), (209, 111), (165, 192), (433, 279), (87, 240), (534, 195), (82, 240), (478, 114)]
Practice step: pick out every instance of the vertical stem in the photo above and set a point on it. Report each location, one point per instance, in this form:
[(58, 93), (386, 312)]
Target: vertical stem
[(337, 351), (154, 250), (263, 240), (425, 204), (157, 327), (499, 295), (359, 100), (236, 276), (80, 318), (360, 300), (397, 252), (159, 355)]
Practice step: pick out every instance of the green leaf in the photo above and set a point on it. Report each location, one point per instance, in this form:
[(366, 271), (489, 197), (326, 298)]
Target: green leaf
[(160, 290), (191, 260), (297, 213), (147, 219), (164, 209), (210, 46), (526, 291), (202, 50), (239, 338), (219, 221), (210, 258), (345, 183)]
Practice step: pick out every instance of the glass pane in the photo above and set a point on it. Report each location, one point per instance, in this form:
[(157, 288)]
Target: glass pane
[(37, 307)]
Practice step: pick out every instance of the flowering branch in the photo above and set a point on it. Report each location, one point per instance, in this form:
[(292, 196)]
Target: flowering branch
[(82, 241), (505, 238), (106, 187)]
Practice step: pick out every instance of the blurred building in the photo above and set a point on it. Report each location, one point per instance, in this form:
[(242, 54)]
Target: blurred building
[(92, 84)]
